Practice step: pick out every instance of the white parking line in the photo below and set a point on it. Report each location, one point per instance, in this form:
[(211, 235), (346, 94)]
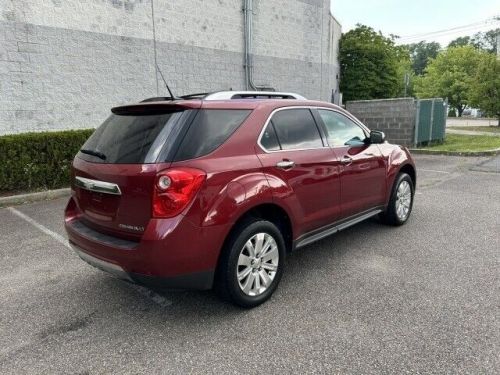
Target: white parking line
[(39, 226), (153, 296), (433, 170)]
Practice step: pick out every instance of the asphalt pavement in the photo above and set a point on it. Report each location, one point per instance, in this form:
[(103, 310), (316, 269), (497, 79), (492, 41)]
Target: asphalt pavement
[(421, 298)]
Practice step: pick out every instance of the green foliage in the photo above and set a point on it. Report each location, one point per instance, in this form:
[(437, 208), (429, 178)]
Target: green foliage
[(404, 72), (461, 41), (485, 41), (33, 161), (485, 88), (452, 113), (370, 64), (451, 75), (420, 54)]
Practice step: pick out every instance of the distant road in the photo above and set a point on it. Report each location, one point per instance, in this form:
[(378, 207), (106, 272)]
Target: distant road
[(467, 121), (451, 130)]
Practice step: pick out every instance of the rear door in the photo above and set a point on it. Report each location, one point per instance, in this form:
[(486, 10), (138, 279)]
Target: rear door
[(363, 175), (293, 150)]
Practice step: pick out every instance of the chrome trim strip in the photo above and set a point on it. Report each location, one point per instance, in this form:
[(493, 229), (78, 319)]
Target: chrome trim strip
[(228, 95), (363, 127), (97, 186)]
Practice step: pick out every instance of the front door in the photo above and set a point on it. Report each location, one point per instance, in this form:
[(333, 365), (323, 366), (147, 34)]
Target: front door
[(363, 175)]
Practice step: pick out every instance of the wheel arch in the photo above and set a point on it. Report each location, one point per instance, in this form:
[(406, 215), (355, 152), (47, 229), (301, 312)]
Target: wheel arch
[(271, 212), (410, 170)]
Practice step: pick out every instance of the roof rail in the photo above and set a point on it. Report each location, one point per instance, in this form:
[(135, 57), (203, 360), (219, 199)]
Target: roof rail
[(228, 95), (157, 99), (198, 95)]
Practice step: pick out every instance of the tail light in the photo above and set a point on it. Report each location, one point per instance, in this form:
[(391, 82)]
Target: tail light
[(175, 189)]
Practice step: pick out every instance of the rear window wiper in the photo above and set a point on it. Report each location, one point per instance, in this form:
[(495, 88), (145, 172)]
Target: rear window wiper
[(100, 155)]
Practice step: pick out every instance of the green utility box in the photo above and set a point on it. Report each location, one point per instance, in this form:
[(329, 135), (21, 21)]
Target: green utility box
[(430, 121)]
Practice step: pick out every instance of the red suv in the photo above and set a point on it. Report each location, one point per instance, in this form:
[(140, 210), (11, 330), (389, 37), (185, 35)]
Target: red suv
[(215, 190)]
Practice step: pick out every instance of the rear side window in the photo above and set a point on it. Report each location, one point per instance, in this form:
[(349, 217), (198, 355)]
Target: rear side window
[(269, 140), (124, 139), (210, 129), (295, 129)]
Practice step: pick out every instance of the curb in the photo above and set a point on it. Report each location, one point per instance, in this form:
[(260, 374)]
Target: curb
[(33, 197), (423, 151)]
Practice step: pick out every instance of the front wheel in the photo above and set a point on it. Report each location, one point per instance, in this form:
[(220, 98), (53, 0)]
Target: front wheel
[(401, 201), (251, 264)]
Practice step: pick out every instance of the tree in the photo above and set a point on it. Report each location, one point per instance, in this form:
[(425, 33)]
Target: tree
[(486, 40), (485, 89), (461, 41), (482, 40), (420, 54), (369, 64), (404, 72), (451, 75)]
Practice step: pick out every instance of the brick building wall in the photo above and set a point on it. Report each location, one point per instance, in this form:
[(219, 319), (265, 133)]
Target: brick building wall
[(64, 63), (395, 117)]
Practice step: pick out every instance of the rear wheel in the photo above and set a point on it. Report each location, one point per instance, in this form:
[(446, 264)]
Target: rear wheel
[(401, 201), (251, 264)]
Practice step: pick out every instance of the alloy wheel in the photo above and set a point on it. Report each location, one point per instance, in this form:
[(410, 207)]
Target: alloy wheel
[(257, 264), (403, 200)]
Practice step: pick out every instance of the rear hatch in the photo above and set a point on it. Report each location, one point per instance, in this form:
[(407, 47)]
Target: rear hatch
[(114, 172)]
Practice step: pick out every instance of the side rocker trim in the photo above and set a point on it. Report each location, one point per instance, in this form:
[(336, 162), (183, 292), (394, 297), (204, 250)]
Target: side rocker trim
[(335, 227)]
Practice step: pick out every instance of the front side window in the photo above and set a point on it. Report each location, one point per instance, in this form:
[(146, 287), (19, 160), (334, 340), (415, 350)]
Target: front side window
[(342, 131), (294, 128)]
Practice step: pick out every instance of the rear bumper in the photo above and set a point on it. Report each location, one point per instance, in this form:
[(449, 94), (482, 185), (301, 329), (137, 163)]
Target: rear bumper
[(172, 253), (197, 281)]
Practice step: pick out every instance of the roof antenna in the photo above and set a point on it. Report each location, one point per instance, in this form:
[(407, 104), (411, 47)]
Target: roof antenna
[(165, 82), (157, 68)]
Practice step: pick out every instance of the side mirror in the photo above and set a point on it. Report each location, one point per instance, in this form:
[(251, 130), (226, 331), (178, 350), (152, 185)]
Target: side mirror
[(377, 136)]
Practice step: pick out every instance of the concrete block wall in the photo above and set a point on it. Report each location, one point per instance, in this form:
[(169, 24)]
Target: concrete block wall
[(395, 117), (64, 63)]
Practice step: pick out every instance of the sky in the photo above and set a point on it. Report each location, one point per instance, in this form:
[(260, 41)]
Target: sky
[(411, 18)]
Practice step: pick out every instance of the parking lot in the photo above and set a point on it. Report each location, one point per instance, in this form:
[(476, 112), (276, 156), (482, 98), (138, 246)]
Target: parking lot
[(421, 298)]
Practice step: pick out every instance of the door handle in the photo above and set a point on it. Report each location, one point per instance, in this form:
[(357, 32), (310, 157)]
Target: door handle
[(346, 160), (285, 164)]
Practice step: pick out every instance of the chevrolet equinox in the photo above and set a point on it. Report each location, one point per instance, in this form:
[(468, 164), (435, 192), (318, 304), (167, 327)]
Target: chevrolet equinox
[(215, 190)]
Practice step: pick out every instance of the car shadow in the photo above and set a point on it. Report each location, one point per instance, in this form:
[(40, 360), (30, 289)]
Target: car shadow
[(304, 261), (302, 267)]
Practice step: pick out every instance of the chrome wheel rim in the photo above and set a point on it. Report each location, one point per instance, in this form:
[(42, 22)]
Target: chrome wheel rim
[(257, 264), (403, 200)]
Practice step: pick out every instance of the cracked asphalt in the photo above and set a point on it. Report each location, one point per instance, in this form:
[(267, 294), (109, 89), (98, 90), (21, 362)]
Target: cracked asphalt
[(421, 298)]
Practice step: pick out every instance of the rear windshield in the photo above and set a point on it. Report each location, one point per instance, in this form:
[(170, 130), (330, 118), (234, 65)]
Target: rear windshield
[(124, 139), (210, 129)]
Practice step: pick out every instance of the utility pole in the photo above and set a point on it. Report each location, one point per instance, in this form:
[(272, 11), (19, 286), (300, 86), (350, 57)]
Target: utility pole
[(407, 80), (498, 39), (498, 45)]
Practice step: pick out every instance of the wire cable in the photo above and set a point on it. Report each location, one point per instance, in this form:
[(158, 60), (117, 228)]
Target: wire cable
[(450, 31)]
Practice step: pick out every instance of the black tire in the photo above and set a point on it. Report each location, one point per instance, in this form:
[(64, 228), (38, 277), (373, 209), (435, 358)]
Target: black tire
[(390, 216), (226, 281)]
